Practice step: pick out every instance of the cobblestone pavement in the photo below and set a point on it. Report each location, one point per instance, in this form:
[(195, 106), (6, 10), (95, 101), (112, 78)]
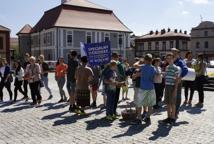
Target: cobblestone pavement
[(51, 123)]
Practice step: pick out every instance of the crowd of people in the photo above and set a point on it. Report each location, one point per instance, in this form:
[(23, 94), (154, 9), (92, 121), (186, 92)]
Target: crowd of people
[(155, 80)]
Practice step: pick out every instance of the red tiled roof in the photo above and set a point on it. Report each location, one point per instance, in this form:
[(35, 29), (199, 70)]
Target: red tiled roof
[(25, 30), (2, 28), (80, 14), (84, 3)]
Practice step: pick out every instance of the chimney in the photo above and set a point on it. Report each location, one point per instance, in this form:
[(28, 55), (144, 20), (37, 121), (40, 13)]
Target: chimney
[(185, 32), (180, 31), (168, 30), (156, 32), (163, 31), (151, 32), (64, 1), (176, 31)]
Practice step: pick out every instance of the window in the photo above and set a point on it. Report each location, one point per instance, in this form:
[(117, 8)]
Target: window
[(164, 46), (184, 43), (47, 39), (171, 44), (89, 37), (107, 37), (69, 38), (120, 40), (197, 45), (149, 46), (206, 33), (206, 44), (157, 46), (1, 43)]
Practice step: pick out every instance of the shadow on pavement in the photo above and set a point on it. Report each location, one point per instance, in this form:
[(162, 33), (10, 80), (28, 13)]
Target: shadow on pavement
[(54, 106), (16, 109), (163, 130), (132, 130), (54, 116), (192, 110), (93, 124), (5, 104)]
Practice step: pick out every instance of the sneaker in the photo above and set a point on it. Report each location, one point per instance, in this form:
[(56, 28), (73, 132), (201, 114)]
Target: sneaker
[(109, 118), (60, 101), (172, 121), (185, 102), (72, 108), (79, 111), (50, 97), (167, 120), (65, 99), (33, 104), (144, 115), (189, 102), (147, 120), (200, 105), (115, 117), (39, 102), (102, 108), (94, 105)]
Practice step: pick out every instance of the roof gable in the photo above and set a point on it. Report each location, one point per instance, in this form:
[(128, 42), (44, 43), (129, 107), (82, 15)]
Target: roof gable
[(2, 28), (84, 3), (25, 30)]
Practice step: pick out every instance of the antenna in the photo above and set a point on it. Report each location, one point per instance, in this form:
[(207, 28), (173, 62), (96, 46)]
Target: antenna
[(201, 18)]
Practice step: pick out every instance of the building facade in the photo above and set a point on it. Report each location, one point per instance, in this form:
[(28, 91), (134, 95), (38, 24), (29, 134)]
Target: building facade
[(62, 28), (5, 43), (159, 43), (202, 39)]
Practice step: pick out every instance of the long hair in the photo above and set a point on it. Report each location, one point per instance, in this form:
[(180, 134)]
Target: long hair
[(19, 67)]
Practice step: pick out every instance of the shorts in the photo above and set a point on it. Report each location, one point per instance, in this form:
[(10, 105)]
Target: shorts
[(125, 89), (71, 86), (83, 98), (168, 98), (144, 97)]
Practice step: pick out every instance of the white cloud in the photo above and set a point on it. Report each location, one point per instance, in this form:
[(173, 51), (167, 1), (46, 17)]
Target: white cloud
[(180, 2), (185, 12), (200, 1)]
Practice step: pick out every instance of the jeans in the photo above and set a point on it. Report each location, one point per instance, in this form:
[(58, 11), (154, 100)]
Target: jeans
[(178, 100), (26, 88), (8, 87), (158, 92), (18, 87), (61, 83), (35, 91), (110, 104), (188, 85), (71, 86), (117, 96), (199, 86), (45, 80)]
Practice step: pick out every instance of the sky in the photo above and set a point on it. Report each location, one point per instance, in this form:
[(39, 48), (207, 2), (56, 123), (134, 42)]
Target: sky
[(140, 16)]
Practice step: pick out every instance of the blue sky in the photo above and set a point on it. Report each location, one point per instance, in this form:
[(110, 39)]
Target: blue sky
[(140, 16)]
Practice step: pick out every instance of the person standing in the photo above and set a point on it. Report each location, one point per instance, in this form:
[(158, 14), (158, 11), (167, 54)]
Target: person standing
[(178, 61), (95, 84), (120, 71), (171, 81), (61, 70), (25, 85), (200, 69), (188, 85), (6, 78), (19, 77), (83, 76), (158, 82), (33, 75), (45, 70), (73, 63)]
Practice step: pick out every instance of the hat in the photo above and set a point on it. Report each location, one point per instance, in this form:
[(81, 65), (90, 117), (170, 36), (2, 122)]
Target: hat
[(175, 49)]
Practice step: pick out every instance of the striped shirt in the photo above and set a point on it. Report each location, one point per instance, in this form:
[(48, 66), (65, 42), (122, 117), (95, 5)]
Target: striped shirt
[(172, 72)]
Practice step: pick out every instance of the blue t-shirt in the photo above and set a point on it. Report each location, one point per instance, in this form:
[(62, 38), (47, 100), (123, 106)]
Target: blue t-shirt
[(110, 75), (147, 77)]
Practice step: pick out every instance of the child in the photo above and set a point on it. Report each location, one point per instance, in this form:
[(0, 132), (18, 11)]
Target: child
[(146, 96), (158, 82), (171, 82), (110, 89)]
